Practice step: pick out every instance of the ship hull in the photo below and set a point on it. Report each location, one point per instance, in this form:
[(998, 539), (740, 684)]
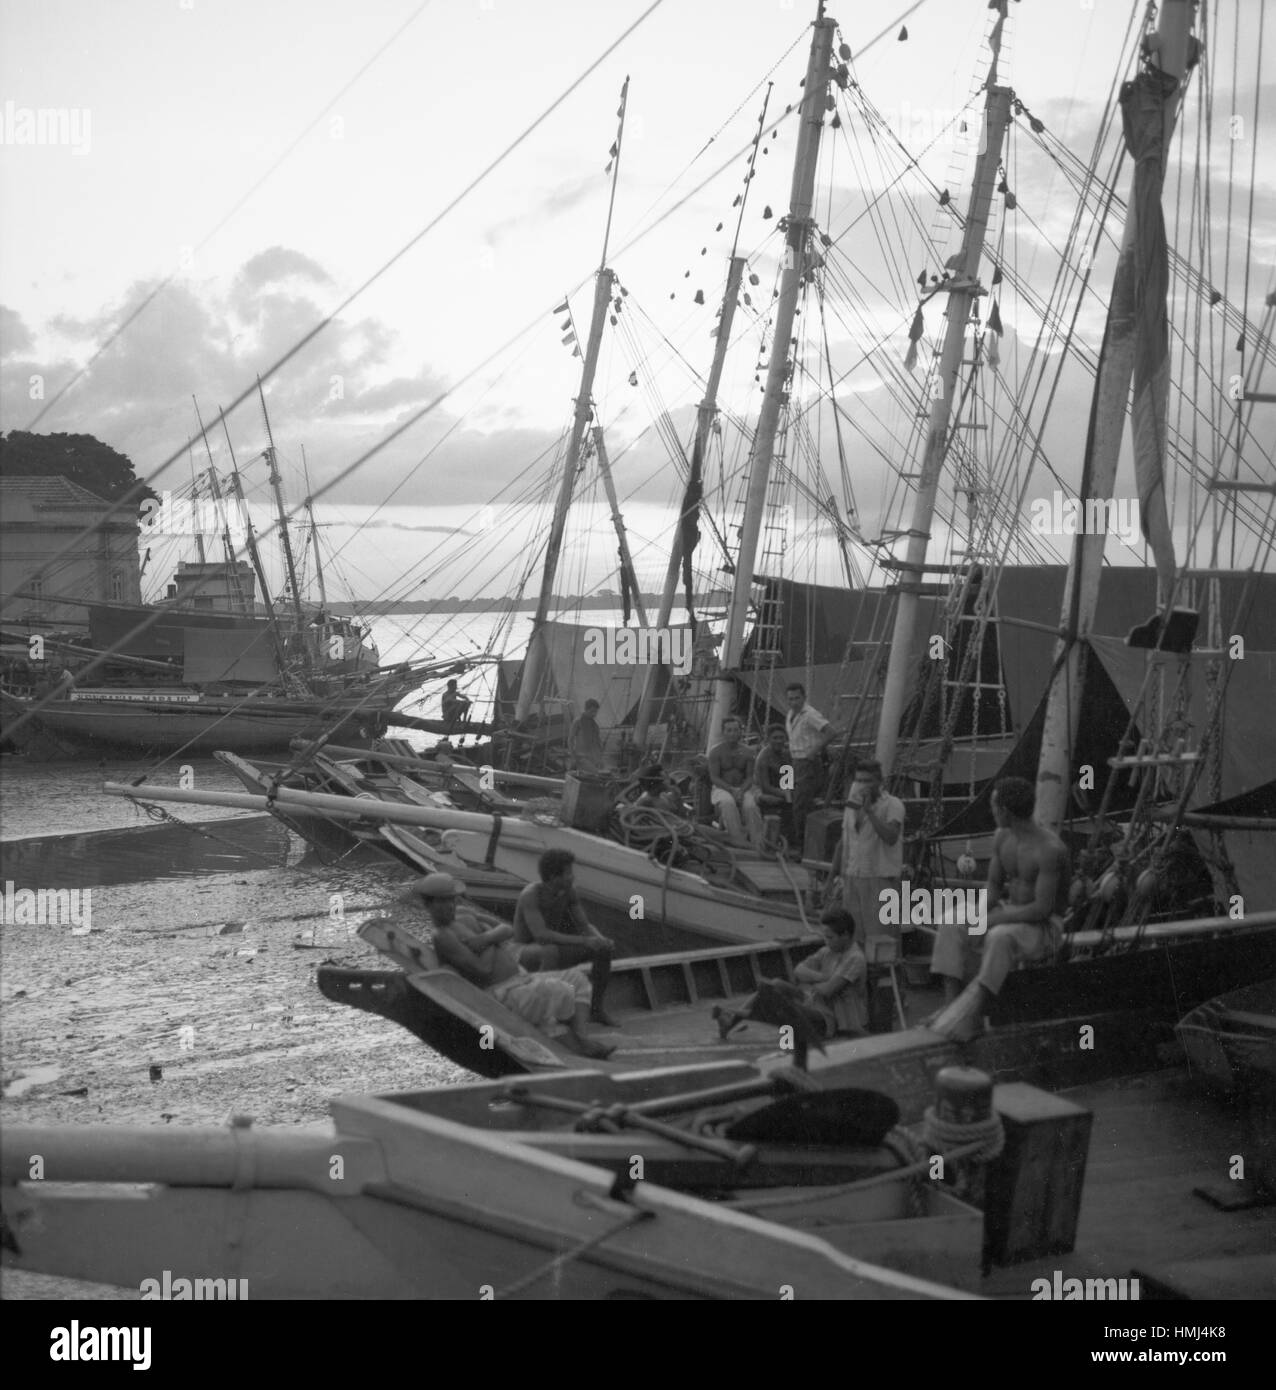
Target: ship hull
[(92, 728)]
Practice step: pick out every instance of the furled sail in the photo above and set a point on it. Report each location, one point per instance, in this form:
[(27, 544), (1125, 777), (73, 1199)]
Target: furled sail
[(1143, 117)]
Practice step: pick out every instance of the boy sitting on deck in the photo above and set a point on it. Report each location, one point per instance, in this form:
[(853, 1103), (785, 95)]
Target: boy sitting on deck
[(554, 1001), (830, 996)]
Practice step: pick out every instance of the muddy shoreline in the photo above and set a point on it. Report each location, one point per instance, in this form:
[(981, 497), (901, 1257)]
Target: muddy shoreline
[(191, 1000)]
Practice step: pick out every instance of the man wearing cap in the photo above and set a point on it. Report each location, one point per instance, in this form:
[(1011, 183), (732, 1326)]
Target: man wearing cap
[(555, 1001)]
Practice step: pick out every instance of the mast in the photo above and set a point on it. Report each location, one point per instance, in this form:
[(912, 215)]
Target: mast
[(705, 416), (228, 545), (314, 535), (1107, 424), (775, 395), (963, 288), (618, 521), (537, 654), (250, 538), (277, 488), (199, 534)]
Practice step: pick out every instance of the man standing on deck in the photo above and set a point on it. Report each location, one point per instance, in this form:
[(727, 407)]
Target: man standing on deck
[(585, 740), (554, 1001), (551, 927), (870, 854), (734, 796), (1026, 877), (809, 735)]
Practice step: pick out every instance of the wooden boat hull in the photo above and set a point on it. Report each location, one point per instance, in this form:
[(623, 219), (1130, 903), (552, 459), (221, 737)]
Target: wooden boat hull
[(635, 900), (1230, 1040), (394, 1202), (467, 1025), (1136, 994), (92, 728)]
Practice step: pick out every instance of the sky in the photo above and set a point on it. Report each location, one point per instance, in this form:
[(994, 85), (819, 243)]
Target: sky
[(251, 165)]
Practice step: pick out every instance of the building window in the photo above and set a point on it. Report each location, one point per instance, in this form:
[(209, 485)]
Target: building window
[(117, 586)]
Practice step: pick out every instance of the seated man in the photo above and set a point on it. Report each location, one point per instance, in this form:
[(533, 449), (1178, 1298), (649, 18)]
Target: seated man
[(731, 777), (1027, 877), (554, 1001), (830, 995), (455, 706), (551, 928), (658, 793), (773, 778)]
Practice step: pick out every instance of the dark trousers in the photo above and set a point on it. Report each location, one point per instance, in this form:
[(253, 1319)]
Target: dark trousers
[(556, 957), (775, 1001), (808, 783)]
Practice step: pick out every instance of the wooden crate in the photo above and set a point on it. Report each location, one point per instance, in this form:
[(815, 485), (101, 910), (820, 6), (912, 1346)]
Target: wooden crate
[(1033, 1193)]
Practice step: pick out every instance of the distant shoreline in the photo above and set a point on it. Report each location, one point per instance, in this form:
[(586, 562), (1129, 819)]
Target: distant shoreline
[(497, 604)]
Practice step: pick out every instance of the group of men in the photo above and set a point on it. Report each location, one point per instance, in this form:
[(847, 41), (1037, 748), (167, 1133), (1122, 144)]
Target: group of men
[(537, 965)]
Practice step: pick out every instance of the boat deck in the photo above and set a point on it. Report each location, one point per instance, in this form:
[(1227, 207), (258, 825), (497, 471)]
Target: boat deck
[(1157, 1139)]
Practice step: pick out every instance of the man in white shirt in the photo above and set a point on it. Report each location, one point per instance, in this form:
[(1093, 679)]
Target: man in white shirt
[(870, 854), (809, 735)]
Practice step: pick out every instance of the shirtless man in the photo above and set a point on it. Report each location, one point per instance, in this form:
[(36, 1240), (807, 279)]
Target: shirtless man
[(553, 931), (554, 1001), (733, 794), (1027, 877)]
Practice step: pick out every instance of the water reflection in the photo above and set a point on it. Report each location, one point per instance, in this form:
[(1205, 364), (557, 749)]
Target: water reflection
[(96, 858)]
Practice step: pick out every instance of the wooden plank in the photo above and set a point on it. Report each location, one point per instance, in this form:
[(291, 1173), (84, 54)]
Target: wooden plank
[(1244, 1277)]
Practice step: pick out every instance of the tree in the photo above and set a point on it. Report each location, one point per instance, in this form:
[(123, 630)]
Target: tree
[(79, 457)]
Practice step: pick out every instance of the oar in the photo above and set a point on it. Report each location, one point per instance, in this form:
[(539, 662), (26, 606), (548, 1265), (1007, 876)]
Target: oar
[(625, 1116)]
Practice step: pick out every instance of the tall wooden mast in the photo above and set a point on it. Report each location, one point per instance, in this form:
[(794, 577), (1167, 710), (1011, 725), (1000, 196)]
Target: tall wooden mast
[(1111, 396), (228, 545), (962, 288), (277, 488), (779, 371), (706, 413), (535, 663)]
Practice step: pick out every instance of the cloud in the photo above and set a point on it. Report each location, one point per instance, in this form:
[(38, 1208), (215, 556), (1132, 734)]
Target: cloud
[(15, 336), (192, 339), (564, 197)]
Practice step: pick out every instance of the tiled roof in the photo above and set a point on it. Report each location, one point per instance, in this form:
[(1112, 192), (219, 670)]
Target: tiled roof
[(51, 491)]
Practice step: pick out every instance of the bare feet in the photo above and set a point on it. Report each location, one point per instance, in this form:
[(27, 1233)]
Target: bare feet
[(590, 1047)]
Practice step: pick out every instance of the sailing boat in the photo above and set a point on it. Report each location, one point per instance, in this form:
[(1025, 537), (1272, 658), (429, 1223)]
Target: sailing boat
[(203, 670)]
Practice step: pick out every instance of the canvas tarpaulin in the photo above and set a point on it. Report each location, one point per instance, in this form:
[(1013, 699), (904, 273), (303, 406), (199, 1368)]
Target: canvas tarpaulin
[(244, 656)]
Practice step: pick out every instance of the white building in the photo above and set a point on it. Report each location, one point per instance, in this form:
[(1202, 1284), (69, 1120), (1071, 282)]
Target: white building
[(38, 517)]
